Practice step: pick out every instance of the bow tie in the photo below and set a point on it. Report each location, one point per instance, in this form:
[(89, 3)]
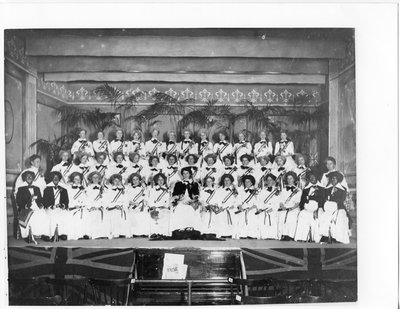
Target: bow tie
[(171, 143), (186, 182), (135, 142), (82, 141), (56, 187), (161, 188), (209, 191), (83, 167), (120, 166), (76, 187), (186, 141), (138, 186), (154, 141), (172, 167), (263, 168), (314, 186), (242, 142), (290, 188), (211, 168), (204, 143), (228, 189), (248, 190), (302, 167), (100, 166), (154, 169), (118, 188), (65, 164), (269, 189), (281, 169), (263, 142), (283, 142), (244, 167), (96, 188), (135, 166), (222, 143), (228, 167)]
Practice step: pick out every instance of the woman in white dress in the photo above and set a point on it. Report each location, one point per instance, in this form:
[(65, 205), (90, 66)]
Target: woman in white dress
[(246, 168), (33, 219), (154, 147), (241, 147), (102, 145), (290, 197), (285, 147), (38, 180), (262, 169), (138, 146), (116, 202), (223, 147), (247, 203), (211, 168), (138, 211), (268, 205), (205, 147), (263, 147), (82, 145), (82, 166), (172, 146), (229, 167), (136, 164), (192, 161), (120, 145), (119, 166), (280, 170), (100, 166), (209, 202), (97, 221), (159, 208), (301, 169), (154, 167), (187, 146), (172, 170), (64, 167)]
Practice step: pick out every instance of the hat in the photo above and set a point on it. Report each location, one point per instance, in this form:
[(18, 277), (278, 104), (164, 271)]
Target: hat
[(73, 175), (156, 176), (54, 173), (249, 157), (208, 177), (130, 178), (187, 168), (338, 175), (101, 154), (271, 175), (266, 158), (132, 155), (280, 157), (90, 176), (115, 176), (210, 155), (116, 154), (196, 158), (26, 173), (172, 155), (291, 173), (153, 157), (252, 179), (226, 176), (230, 157)]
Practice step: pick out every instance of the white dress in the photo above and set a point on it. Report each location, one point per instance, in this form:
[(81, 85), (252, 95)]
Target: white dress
[(77, 224), (150, 171), (154, 147), (102, 146), (225, 219), (120, 146), (208, 197), (205, 148), (268, 220), (82, 145), (138, 146), (158, 197), (245, 170), (286, 149), (242, 148), (188, 146), (64, 168), (301, 171), (212, 171), (247, 220), (287, 223), (38, 180), (116, 201), (261, 172), (138, 213), (222, 149), (97, 219), (263, 148), (118, 168), (84, 169), (173, 175)]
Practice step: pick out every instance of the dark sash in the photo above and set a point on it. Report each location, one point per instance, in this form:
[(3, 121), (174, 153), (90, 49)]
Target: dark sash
[(161, 195), (139, 194), (210, 197), (24, 216), (117, 196)]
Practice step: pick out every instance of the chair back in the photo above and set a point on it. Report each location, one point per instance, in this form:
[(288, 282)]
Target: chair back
[(114, 292)]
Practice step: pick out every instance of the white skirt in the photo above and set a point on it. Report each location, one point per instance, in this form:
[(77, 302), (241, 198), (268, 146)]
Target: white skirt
[(119, 223), (58, 219), (222, 224), (78, 223), (139, 221), (184, 216), (98, 223), (287, 222), (160, 223), (268, 225), (247, 224), (39, 222)]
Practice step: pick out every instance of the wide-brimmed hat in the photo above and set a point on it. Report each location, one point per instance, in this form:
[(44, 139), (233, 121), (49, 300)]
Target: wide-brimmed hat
[(291, 173), (26, 173), (74, 174), (230, 157), (338, 175), (196, 158), (226, 176), (250, 177), (210, 155), (187, 168), (90, 176), (115, 176), (247, 156), (280, 157)]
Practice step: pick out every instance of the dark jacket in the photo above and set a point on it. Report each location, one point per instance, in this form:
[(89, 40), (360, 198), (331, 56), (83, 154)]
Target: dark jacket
[(180, 188), (48, 197), (339, 196), (318, 196), (24, 197)]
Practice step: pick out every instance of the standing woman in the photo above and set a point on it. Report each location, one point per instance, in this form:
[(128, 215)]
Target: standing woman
[(64, 167), (116, 202), (280, 169), (158, 199), (82, 145), (263, 147), (77, 225), (185, 213), (119, 166), (205, 147), (211, 168), (97, 222), (245, 169), (229, 167), (209, 201), (136, 164), (247, 203), (33, 220), (268, 205), (154, 147), (172, 146), (138, 145), (223, 147), (82, 166), (285, 147), (119, 145), (290, 197), (138, 212), (330, 164), (56, 202), (187, 146), (242, 147), (224, 215), (101, 145), (333, 219), (100, 166), (301, 170), (36, 169)]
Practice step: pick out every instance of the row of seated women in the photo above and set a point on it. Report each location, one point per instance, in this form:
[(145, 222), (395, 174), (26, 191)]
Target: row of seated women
[(263, 203)]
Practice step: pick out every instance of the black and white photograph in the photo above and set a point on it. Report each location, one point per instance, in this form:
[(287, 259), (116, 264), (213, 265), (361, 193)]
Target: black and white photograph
[(182, 165)]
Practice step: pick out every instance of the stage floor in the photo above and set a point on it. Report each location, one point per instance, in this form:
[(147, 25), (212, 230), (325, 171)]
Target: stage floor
[(200, 244)]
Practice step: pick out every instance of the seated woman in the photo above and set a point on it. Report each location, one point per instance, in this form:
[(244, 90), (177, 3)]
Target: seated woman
[(64, 167), (102, 145), (290, 197), (229, 167), (211, 168), (100, 166), (76, 221), (333, 219), (119, 166), (279, 168), (263, 147), (285, 147), (33, 219), (158, 200), (137, 214), (82, 166), (301, 169), (242, 147), (246, 201), (136, 164), (97, 222), (209, 202), (192, 161), (56, 202), (330, 164), (116, 202), (245, 168), (38, 179), (172, 170), (268, 205), (82, 145), (312, 199), (223, 219), (262, 169), (185, 212), (154, 167)]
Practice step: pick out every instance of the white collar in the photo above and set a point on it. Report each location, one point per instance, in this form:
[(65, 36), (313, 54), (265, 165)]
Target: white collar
[(310, 184), (338, 186)]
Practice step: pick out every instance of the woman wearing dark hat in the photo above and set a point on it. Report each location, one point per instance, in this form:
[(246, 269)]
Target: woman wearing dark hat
[(209, 201), (34, 166), (137, 213), (77, 207), (185, 201), (33, 219), (97, 221), (116, 202), (268, 205), (247, 202), (245, 168), (223, 147), (333, 219), (192, 161), (64, 167), (312, 199), (224, 215), (154, 167), (119, 166), (229, 166), (211, 168), (290, 197), (159, 209), (172, 170)]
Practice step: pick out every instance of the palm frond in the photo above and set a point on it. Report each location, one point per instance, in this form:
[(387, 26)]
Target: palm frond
[(108, 93)]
